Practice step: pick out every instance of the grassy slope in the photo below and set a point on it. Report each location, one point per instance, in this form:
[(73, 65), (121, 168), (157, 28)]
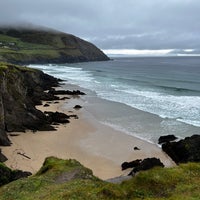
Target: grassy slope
[(68, 179), (24, 50), (44, 46)]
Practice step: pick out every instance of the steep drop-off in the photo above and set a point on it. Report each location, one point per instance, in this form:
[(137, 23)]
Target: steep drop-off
[(21, 89), (42, 45)]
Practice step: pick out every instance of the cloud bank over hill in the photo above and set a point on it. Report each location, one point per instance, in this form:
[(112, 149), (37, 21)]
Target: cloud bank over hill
[(115, 24)]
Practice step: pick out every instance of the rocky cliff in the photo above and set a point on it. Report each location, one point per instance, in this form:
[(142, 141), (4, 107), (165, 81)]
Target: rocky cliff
[(21, 89), (41, 45)]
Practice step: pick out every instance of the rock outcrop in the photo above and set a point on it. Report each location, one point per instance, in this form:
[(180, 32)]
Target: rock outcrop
[(2, 157), (7, 175), (186, 150), (141, 165), (21, 89), (166, 138)]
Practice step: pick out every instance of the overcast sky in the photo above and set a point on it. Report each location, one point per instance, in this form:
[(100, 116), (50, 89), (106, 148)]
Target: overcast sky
[(114, 24)]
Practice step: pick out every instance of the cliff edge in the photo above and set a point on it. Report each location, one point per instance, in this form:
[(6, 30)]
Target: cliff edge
[(22, 88)]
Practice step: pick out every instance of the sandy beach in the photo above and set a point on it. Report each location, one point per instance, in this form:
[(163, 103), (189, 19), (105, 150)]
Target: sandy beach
[(95, 145)]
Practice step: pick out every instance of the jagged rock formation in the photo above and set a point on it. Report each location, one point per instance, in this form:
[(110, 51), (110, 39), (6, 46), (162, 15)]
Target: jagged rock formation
[(24, 45), (7, 175), (166, 138), (186, 150), (21, 89)]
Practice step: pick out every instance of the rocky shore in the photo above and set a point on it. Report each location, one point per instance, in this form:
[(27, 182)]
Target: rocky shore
[(21, 89), (24, 90)]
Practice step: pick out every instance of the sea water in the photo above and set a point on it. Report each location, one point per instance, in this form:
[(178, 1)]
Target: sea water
[(145, 97)]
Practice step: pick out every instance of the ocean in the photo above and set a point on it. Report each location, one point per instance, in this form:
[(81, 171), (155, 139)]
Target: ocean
[(145, 97)]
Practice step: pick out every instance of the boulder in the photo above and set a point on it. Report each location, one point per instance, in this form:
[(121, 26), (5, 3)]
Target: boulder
[(7, 175), (18, 174), (132, 164), (57, 117), (77, 107), (186, 150), (147, 164), (166, 138)]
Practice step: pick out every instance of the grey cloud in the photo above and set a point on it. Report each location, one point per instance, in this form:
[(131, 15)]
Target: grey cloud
[(138, 24)]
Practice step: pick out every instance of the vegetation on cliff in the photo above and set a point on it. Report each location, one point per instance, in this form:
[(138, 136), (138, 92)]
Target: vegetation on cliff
[(42, 45), (68, 179)]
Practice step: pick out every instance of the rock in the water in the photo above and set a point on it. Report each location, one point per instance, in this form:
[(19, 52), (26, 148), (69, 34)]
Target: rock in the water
[(187, 150), (126, 165), (147, 164), (77, 107), (46, 105), (166, 138)]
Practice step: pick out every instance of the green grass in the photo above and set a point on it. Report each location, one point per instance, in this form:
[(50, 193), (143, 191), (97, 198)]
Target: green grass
[(68, 179), (38, 46)]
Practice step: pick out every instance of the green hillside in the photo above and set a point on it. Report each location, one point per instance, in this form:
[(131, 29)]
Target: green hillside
[(68, 179), (28, 45)]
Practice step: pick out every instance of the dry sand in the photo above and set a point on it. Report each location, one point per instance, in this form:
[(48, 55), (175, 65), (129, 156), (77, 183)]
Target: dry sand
[(95, 145)]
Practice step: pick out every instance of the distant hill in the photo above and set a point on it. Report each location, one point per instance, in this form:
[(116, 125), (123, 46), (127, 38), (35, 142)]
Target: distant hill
[(24, 45)]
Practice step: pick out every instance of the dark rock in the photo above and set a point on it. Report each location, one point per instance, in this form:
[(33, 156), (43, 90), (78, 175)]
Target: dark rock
[(186, 150), (2, 157), (77, 107), (136, 149), (18, 174), (4, 141), (166, 138), (56, 102), (7, 175), (21, 89), (65, 92), (57, 117), (126, 165), (46, 105), (147, 164)]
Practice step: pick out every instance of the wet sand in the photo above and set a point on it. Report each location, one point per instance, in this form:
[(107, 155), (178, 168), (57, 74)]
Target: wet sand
[(95, 145)]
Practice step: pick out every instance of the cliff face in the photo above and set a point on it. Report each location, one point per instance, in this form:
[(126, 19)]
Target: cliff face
[(28, 45), (20, 89)]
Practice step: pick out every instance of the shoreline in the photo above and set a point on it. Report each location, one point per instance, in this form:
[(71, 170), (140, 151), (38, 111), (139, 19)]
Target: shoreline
[(95, 145)]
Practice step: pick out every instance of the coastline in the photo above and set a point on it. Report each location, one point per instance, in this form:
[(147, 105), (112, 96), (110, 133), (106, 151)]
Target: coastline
[(97, 146)]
